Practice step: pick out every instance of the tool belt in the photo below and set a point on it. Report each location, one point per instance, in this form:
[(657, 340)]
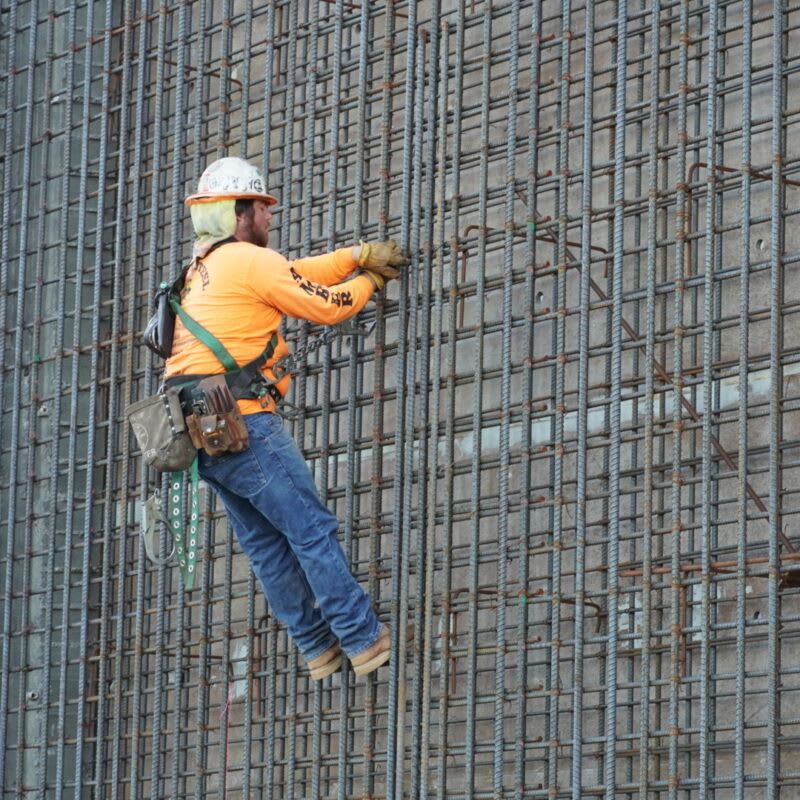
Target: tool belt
[(190, 412), (209, 404), (247, 383)]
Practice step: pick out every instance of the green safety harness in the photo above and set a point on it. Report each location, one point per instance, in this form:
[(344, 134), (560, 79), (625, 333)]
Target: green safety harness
[(247, 382)]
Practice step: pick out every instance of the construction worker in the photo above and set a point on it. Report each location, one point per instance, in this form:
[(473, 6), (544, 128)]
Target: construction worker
[(239, 290)]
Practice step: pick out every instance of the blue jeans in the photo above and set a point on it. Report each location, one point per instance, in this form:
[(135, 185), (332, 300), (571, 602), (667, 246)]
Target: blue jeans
[(290, 537)]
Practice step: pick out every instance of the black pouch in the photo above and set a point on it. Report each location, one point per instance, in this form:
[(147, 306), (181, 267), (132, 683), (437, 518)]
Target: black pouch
[(160, 329)]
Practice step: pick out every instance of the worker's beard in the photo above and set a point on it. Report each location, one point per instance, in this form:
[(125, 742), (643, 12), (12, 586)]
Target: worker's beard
[(252, 234)]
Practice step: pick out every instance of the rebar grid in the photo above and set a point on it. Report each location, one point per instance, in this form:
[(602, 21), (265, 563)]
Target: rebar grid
[(564, 456)]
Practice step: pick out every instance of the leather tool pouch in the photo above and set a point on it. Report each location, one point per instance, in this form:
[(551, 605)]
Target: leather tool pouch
[(215, 422)]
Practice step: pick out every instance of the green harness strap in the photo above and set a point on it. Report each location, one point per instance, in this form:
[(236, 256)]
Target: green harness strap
[(186, 549), (208, 339), (185, 543)]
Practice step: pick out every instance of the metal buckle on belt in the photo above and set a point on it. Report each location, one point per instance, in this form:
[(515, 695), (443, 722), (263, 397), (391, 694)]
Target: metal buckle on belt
[(263, 392)]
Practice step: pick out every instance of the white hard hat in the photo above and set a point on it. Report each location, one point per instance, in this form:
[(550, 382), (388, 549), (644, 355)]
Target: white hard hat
[(230, 178)]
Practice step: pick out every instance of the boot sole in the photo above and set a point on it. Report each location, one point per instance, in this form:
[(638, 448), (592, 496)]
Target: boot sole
[(373, 664), (328, 668)]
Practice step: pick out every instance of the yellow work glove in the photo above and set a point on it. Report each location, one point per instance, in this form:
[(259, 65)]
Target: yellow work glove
[(379, 280), (382, 257)]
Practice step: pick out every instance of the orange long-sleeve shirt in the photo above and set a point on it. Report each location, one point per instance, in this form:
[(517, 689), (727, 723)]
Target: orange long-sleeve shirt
[(240, 293)]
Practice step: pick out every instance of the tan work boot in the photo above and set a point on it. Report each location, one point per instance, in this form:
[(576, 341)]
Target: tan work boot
[(325, 663), (374, 656)]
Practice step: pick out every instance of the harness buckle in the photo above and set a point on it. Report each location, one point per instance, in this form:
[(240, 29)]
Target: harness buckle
[(283, 366), (264, 392), (261, 389)]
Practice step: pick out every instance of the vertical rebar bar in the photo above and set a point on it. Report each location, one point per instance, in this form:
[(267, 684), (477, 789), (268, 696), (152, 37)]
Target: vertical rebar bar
[(709, 291), (576, 777), (378, 435), (615, 445), (401, 523), (413, 558), (157, 768), (201, 638), (179, 746), (681, 245), (504, 487), (226, 667), (649, 433), (452, 202), (138, 677), (120, 577), (425, 544), (16, 390), (270, 665), (102, 721), (54, 413), (247, 49), (103, 169), (776, 246), (438, 261), (333, 188), (522, 779), (558, 388), (477, 408), (743, 432), (71, 540)]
